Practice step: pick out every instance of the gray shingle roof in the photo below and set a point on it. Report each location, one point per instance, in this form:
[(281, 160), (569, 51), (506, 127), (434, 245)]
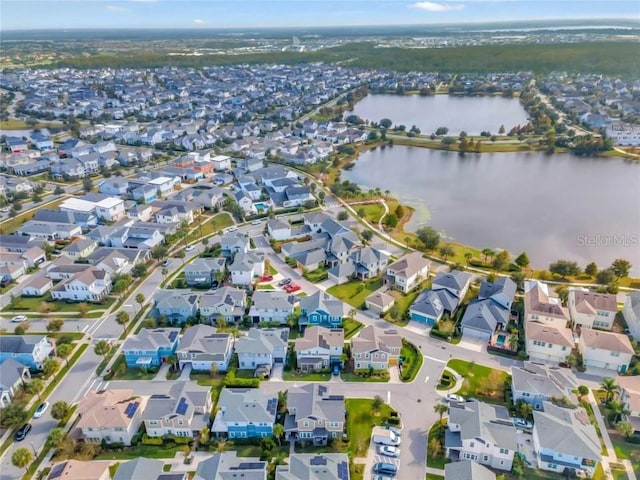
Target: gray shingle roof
[(315, 401), (246, 405), (313, 466), (204, 339), (228, 466), (324, 302), (467, 470), (151, 339), (482, 420)]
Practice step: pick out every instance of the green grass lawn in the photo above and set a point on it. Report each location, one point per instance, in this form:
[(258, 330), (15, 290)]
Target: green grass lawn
[(126, 373), (265, 286), (412, 361), (306, 377), (33, 304), (437, 461), (360, 421), (371, 212), (148, 451), (480, 381), (352, 293), (397, 314), (626, 451), (255, 450), (431, 476), (9, 225), (352, 377), (217, 223), (351, 327), (315, 276)]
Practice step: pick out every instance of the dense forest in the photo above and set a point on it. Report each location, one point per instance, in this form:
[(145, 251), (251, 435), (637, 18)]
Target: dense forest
[(614, 58)]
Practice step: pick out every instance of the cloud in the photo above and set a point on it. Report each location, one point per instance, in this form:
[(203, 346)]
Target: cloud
[(437, 7), (116, 9), (144, 1), (199, 22)]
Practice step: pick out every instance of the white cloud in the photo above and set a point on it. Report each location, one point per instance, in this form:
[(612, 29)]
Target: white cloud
[(116, 9), (437, 7), (199, 22)]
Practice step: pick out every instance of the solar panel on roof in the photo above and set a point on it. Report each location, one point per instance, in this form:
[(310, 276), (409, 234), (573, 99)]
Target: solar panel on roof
[(173, 336), (57, 470), (272, 405), (249, 466), (182, 406), (130, 411), (343, 471), (318, 460)]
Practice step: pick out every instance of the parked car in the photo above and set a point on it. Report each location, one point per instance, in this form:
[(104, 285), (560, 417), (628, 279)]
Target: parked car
[(381, 477), (189, 248), (336, 369), (395, 430), (265, 278), (284, 282), (522, 423), (385, 468), (292, 287), (232, 229), (165, 263), (22, 432), (451, 397), (388, 451), (41, 409), (255, 222), (19, 318)]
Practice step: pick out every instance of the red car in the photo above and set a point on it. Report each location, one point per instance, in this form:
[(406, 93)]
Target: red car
[(265, 278), (292, 287)]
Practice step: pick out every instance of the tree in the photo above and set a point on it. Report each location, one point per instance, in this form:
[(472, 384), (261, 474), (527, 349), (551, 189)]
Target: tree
[(625, 429), (22, 458), (501, 261), (501, 130), (523, 409), (468, 256), (139, 270), (518, 278), (385, 123), (446, 251), (442, 131), (610, 386), (55, 437), (440, 409), (343, 215), (429, 237), (60, 410), (615, 410), (55, 325), (605, 277), (435, 447), (58, 190), (122, 318), (102, 347), (213, 370), (87, 184), (159, 252), (367, 235), (278, 432), (522, 260), (564, 268), (221, 322), (377, 403), (563, 294), (63, 351), (390, 220), (487, 253), (591, 269), (35, 387), (321, 196), (583, 391), (140, 299), (621, 267), (50, 366), (13, 415), (21, 328), (83, 309)]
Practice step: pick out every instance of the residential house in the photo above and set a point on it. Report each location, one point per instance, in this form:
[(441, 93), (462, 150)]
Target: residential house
[(176, 305), (201, 347), (375, 348), (81, 248), (361, 262), (631, 313), (491, 310), (226, 302), (608, 350), (406, 273), (221, 163), (564, 439), (547, 343), (13, 375), (142, 468), (536, 384), (227, 465), (245, 413), (89, 285), (49, 230), (29, 350), (246, 267), (77, 470), (204, 271), (262, 347), (321, 309), (379, 302), (151, 347), (313, 414), (308, 466), (541, 307), (630, 398), (467, 470), (36, 286), (110, 416), (481, 432), (114, 186), (234, 242), (182, 412), (447, 291), (591, 309), (319, 348), (271, 306)]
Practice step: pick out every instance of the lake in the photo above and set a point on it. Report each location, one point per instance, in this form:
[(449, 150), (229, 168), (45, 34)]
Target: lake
[(551, 206), (457, 113)]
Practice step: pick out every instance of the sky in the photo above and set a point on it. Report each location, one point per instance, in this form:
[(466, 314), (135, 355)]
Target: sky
[(82, 14)]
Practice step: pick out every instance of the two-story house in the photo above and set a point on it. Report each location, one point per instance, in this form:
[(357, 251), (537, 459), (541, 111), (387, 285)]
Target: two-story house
[(325, 466), (246, 267), (89, 285), (467, 470), (481, 432), (536, 384), (183, 411), (321, 309), (375, 348), (406, 273), (234, 242), (151, 347), (262, 347), (608, 350), (177, 305), (540, 307), (201, 347), (79, 470), (227, 465), (245, 413), (29, 350), (547, 343), (228, 303), (13, 375), (491, 310), (319, 348), (563, 438), (271, 306), (446, 292), (110, 416), (204, 271), (630, 398), (314, 414), (591, 309), (142, 468)]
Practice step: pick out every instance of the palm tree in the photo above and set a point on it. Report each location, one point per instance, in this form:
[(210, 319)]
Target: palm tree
[(625, 429), (468, 256), (609, 385), (221, 445), (440, 409), (140, 299), (616, 410), (435, 447), (22, 458), (122, 318), (102, 347), (446, 251), (278, 432), (488, 253), (513, 342), (352, 313), (173, 361), (377, 403)]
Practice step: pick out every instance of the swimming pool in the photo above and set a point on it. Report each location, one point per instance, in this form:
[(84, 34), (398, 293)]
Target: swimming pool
[(261, 206), (500, 339)]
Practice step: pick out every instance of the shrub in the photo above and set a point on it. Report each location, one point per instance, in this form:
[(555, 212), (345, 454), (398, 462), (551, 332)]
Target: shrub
[(147, 440)]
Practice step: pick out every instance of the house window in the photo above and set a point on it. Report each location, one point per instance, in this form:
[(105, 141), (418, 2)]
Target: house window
[(504, 451)]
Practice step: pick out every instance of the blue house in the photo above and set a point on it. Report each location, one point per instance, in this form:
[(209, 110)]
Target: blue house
[(245, 413), (150, 347), (446, 293), (321, 309), (30, 350), (42, 142)]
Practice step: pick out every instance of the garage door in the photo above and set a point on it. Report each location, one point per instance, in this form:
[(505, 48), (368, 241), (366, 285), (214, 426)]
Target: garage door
[(472, 333)]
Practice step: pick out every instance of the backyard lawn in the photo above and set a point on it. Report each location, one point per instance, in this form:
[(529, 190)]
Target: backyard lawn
[(219, 222), (149, 451), (351, 327), (402, 303), (354, 293), (370, 212), (33, 305), (626, 451), (360, 421), (291, 375), (436, 434), (480, 381), (122, 372)]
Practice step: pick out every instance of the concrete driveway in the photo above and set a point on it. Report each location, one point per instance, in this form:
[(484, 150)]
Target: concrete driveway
[(186, 371), (276, 372)]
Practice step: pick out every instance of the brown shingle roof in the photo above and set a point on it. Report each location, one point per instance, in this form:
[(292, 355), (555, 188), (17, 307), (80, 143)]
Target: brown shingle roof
[(549, 334), (615, 342)]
